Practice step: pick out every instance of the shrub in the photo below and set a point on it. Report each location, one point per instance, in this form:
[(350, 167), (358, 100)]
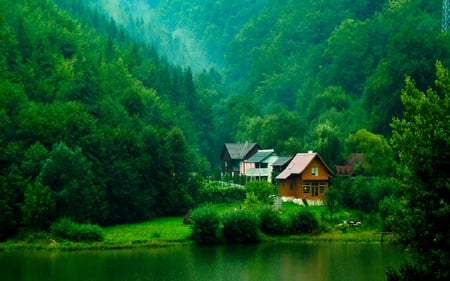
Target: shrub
[(262, 189), (241, 227), (67, 229), (304, 222), (205, 225), (216, 192), (410, 271), (251, 201), (271, 222)]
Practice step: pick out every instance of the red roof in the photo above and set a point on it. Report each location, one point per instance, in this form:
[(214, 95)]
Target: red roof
[(298, 165)]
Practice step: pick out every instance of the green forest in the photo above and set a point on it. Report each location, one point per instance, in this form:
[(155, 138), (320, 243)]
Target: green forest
[(116, 111)]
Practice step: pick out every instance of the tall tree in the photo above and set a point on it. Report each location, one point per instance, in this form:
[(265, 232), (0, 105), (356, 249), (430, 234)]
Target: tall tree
[(422, 139), (76, 193), (378, 155)]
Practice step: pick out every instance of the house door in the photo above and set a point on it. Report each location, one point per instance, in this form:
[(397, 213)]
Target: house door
[(315, 190)]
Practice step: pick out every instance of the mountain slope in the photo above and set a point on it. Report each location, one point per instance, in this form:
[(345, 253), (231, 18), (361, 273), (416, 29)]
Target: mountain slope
[(92, 128)]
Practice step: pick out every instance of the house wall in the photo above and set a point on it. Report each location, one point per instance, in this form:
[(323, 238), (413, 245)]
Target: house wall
[(248, 166), (287, 188), (322, 171)]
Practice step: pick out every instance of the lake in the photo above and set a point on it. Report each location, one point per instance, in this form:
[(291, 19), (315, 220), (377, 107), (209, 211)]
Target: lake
[(285, 261)]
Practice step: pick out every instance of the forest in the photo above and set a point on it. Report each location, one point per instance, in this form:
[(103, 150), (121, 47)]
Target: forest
[(116, 111)]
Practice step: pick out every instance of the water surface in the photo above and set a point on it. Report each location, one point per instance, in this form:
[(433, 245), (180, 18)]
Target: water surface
[(292, 261)]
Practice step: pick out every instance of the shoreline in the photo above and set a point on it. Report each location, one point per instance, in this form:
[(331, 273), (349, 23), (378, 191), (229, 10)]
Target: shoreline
[(66, 246)]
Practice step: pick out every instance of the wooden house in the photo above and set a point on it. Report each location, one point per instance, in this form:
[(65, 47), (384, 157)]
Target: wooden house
[(306, 177), (233, 157)]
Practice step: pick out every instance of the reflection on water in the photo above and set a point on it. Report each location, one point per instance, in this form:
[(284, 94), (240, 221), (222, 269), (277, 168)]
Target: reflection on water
[(292, 261)]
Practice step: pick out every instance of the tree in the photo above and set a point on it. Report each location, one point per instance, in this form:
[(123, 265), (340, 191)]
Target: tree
[(422, 141), (326, 143), (76, 193), (179, 188), (12, 186), (378, 155), (38, 206), (331, 201), (263, 190)]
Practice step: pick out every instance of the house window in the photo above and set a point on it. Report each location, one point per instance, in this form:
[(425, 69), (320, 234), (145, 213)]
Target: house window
[(292, 186), (306, 188), (323, 187), (314, 171)]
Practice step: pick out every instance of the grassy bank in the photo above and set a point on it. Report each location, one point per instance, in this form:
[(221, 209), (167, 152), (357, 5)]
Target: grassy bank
[(170, 231), (159, 232)]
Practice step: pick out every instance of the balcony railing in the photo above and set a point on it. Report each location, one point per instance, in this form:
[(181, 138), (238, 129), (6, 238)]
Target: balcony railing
[(257, 172)]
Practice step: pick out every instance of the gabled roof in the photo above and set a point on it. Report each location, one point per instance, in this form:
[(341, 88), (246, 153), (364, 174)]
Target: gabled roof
[(299, 164), (261, 155), (239, 151)]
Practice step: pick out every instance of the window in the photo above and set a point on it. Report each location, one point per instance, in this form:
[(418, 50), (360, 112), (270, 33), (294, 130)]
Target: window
[(306, 188), (292, 186), (323, 187), (314, 171)]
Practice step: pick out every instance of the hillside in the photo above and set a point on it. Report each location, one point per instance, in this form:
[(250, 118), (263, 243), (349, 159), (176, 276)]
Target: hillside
[(324, 69), (93, 126), (89, 95)]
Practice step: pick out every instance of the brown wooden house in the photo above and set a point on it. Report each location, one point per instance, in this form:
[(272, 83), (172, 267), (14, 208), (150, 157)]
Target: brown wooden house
[(306, 177)]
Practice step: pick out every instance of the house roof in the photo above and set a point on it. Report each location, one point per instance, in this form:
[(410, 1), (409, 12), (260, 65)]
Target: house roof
[(260, 156), (299, 164), (282, 161), (239, 150), (348, 168)]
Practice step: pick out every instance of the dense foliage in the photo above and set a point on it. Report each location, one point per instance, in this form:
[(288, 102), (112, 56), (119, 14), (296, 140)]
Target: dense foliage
[(263, 190), (271, 222), (421, 137), (221, 192), (77, 232), (93, 128), (291, 76), (97, 126), (205, 226), (304, 222), (241, 226)]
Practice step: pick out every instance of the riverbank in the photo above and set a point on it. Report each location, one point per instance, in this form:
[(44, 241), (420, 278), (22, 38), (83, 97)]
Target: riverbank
[(171, 232)]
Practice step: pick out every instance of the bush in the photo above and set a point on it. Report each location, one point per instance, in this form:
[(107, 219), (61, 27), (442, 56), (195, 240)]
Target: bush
[(67, 229), (216, 192), (262, 189), (241, 227), (409, 271), (271, 222), (251, 202), (205, 225), (304, 222)]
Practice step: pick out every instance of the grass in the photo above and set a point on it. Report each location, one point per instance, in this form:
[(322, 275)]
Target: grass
[(170, 231), (164, 229)]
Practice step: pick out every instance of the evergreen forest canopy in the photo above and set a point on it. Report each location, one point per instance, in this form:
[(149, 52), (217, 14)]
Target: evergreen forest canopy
[(122, 106), (293, 75)]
